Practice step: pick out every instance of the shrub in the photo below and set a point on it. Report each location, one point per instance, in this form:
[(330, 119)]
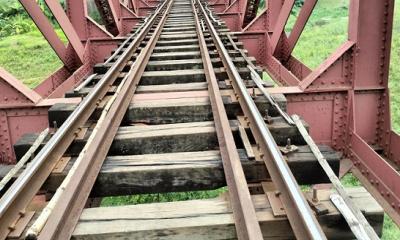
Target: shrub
[(297, 5), (15, 20), (15, 25)]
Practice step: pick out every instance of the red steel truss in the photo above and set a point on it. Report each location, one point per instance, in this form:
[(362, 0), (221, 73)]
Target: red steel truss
[(345, 100)]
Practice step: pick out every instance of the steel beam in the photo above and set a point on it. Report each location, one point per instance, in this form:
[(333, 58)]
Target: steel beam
[(281, 23), (349, 90), (300, 24), (66, 26), (47, 30)]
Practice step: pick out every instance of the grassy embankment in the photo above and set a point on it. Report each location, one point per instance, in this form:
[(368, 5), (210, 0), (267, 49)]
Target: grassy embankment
[(29, 58)]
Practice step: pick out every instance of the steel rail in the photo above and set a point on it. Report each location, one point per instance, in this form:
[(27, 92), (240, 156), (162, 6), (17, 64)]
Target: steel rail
[(85, 83), (211, 16), (21, 192), (299, 213), (247, 226), (258, 81), (66, 213)]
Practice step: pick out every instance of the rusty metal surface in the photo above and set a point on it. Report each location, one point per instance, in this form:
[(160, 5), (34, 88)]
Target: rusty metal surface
[(349, 90), (246, 223), (300, 215), (67, 211), (362, 224), (251, 11), (108, 15), (26, 186)]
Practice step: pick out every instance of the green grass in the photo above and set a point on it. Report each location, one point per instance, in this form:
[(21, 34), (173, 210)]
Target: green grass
[(29, 58), (394, 77), (323, 34), (390, 230), (165, 197), (349, 180)]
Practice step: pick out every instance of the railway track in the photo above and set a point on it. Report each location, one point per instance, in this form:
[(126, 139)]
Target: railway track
[(175, 100)]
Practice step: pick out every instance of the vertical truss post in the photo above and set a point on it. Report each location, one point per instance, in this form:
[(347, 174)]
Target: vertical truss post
[(370, 27)]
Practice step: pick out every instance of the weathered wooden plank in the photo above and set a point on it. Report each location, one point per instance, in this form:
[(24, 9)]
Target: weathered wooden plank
[(185, 76), (164, 138), (172, 88), (176, 42), (177, 36), (209, 219), (187, 63), (84, 91), (183, 87), (172, 77), (189, 171), (177, 87), (187, 41), (193, 47), (177, 108), (186, 55)]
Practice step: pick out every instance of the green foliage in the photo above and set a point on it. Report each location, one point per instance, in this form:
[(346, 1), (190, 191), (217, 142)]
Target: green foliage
[(349, 180), (94, 12), (10, 8), (261, 5), (15, 25), (394, 77), (390, 229), (165, 197), (325, 31), (299, 3), (29, 57), (15, 20)]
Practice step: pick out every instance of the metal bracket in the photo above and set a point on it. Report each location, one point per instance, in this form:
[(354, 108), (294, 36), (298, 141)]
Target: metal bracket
[(19, 227), (319, 208), (276, 204)]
